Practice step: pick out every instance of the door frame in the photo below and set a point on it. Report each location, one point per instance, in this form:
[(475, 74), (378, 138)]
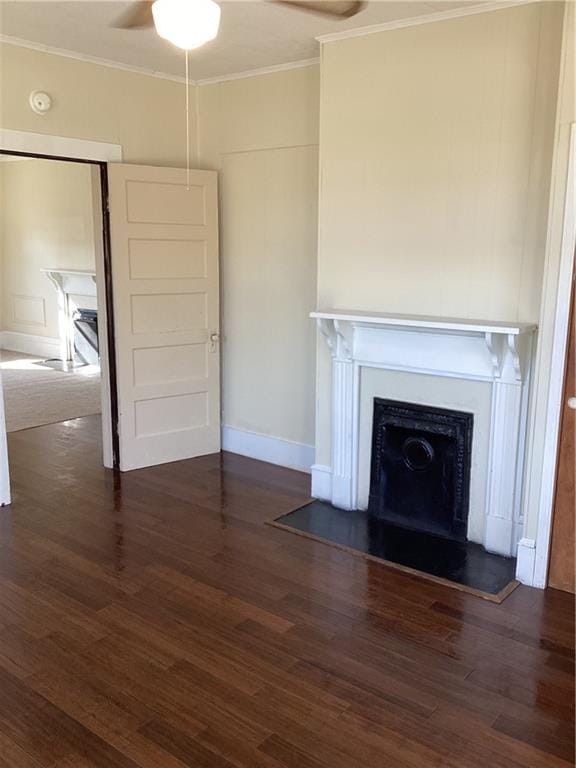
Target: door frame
[(555, 396), (98, 155)]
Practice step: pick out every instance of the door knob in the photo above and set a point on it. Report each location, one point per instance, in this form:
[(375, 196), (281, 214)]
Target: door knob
[(571, 403), (214, 339)]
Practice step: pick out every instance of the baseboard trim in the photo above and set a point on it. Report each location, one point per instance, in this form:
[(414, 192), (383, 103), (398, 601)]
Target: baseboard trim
[(29, 344), (274, 450), (322, 482), (525, 562), (498, 535)]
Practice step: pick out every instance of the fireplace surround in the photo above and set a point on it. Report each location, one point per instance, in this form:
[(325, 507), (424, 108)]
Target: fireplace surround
[(499, 353), (76, 287)]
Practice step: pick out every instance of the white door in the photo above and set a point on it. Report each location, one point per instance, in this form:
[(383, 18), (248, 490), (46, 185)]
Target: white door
[(164, 238)]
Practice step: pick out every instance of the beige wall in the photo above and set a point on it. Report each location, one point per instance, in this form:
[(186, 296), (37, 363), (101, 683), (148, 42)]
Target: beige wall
[(47, 221), (435, 153), (262, 134), (144, 114), (436, 146)]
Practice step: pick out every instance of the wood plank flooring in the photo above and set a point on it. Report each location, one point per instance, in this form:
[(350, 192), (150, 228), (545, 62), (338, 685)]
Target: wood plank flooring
[(153, 620)]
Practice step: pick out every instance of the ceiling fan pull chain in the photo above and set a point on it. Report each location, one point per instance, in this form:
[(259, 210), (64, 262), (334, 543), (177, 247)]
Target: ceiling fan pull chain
[(187, 124)]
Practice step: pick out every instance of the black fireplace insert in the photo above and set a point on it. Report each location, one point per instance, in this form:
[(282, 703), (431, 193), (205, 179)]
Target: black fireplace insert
[(420, 467), (86, 346)]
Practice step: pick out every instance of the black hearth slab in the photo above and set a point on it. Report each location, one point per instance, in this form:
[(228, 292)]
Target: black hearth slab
[(464, 565)]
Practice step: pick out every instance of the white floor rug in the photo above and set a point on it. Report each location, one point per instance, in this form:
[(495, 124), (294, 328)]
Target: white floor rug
[(35, 394)]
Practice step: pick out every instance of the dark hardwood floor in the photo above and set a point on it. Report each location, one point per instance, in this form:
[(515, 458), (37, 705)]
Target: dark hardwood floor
[(154, 620)]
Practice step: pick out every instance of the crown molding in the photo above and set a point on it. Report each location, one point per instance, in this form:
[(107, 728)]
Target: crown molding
[(260, 71), (427, 18), (358, 32), (21, 43)]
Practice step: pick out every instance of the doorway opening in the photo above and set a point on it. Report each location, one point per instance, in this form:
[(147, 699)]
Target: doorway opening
[(57, 348)]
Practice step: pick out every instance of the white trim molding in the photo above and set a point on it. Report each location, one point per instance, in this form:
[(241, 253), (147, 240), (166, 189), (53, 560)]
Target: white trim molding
[(59, 146), (46, 347), (556, 375), (498, 353), (274, 450), (525, 562), (426, 18), (321, 482), (260, 71), (19, 42)]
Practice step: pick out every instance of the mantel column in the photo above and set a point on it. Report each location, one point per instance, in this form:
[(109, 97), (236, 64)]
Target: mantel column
[(501, 491), (342, 433), (65, 332), (344, 386), (505, 459)]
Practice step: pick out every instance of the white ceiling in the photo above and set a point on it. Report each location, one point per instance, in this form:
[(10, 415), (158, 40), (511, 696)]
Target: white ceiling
[(252, 35)]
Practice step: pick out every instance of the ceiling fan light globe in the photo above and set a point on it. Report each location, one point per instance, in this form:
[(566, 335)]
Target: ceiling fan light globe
[(186, 24)]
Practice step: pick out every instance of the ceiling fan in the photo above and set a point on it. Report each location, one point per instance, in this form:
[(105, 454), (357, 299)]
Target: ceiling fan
[(189, 24)]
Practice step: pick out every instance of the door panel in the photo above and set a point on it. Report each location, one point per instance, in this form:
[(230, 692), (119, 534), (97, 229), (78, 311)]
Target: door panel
[(166, 299), (561, 574)]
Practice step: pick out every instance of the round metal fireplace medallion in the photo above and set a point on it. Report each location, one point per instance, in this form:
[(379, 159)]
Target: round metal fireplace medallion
[(417, 453)]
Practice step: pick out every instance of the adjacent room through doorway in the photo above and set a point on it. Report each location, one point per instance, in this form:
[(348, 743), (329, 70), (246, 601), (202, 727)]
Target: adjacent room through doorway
[(51, 313)]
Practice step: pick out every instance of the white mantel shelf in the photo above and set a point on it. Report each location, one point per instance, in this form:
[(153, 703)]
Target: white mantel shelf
[(499, 353), (73, 272), (425, 321), (67, 281)]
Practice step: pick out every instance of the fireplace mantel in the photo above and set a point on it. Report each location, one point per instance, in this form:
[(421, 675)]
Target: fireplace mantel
[(477, 349), (80, 281), (447, 324), (484, 350), (69, 282)]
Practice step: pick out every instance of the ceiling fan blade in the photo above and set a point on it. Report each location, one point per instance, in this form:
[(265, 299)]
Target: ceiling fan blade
[(139, 16), (335, 9)]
